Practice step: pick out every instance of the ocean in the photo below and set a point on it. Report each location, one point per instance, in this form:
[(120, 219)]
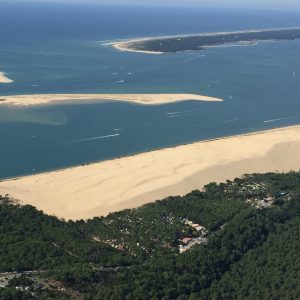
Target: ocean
[(60, 48)]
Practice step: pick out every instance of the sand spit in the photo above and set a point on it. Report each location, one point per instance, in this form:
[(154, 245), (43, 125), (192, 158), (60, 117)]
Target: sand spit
[(4, 79), (100, 188), (126, 46), (149, 99)]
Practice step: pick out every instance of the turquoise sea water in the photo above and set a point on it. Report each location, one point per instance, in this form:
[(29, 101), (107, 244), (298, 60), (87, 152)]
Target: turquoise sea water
[(59, 49)]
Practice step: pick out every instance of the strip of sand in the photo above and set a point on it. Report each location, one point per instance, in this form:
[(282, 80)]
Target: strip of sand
[(4, 79), (100, 188), (149, 99)]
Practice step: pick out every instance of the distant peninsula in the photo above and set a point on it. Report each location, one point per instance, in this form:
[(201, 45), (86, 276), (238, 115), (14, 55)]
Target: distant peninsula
[(201, 41)]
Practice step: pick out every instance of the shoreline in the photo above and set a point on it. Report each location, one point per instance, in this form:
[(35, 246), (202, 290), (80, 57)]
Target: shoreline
[(131, 181), (4, 79), (145, 99)]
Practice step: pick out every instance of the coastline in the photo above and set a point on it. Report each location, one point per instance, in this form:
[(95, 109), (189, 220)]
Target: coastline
[(131, 181), (4, 79), (146, 99)]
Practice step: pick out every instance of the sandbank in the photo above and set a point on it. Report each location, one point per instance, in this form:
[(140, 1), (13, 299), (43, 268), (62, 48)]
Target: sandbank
[(4, 79), (150, 99), (100, 188)]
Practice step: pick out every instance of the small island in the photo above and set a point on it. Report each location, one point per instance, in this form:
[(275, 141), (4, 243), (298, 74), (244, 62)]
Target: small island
[(202, 41)]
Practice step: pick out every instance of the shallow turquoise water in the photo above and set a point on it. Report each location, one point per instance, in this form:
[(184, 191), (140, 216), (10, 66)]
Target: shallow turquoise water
[(259, 85)]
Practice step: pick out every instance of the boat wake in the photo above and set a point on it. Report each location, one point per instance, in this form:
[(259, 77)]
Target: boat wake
[(281, 119), (178, 113), (92, 138)]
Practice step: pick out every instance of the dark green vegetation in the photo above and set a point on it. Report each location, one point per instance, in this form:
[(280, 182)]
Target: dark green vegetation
[(251, 248), (199, 42)]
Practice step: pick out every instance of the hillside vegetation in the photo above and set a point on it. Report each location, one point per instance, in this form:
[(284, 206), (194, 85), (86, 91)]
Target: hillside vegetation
[(235, 240)]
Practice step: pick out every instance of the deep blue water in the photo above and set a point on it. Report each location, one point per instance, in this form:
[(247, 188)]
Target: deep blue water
[(56, 48)]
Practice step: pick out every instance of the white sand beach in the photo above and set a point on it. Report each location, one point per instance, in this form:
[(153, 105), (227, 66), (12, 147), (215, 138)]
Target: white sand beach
[(149, 99), (4, 79), (100, 188)]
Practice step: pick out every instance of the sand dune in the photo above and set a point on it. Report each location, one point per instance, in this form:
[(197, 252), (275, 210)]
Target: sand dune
[(4, 79), (100, 188), (137, 98)]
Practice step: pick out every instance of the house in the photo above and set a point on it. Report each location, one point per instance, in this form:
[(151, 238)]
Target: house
[(186, 240), (191, 242), (197, 227)]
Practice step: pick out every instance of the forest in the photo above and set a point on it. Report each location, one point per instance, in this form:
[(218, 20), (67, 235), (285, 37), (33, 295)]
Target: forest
[(240, 241)]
